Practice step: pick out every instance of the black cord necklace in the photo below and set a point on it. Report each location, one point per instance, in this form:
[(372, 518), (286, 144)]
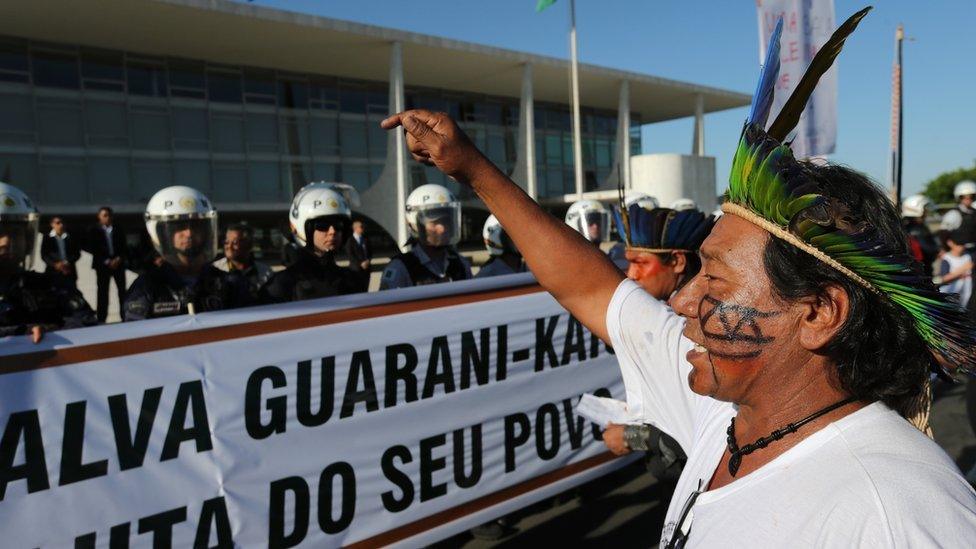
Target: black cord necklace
[(736, 459)]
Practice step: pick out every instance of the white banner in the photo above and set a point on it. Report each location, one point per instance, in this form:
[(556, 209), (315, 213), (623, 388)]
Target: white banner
[(396, 418), (807, 25)]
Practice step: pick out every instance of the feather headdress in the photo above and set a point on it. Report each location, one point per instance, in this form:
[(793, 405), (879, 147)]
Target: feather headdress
[(769, 188), (662, 230)]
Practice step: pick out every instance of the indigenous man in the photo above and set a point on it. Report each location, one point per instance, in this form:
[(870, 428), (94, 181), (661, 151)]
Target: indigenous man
[(807, 324)]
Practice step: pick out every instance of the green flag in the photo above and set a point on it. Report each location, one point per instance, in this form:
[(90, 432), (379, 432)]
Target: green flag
[(543, 4)]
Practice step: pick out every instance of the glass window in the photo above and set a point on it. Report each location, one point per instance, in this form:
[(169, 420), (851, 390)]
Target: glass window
[(102, 70), (149, 176), (553, 150), (569, 155), (511, 115), (433, 175), (59, 122), (228, 134), (190, 129), (14, 65), (262, 132), (357, 176), (352, 138), (377, 139), (192, 173), (378, 102), (146, 79), (352, 99), (150, 130), (21, 170), (325, 136), (16, 119), (602, 153), (489, 113), (259, 87), (64, 181), (294, 136), (186, 79), (56, 70), (106, 124), (427, 101), (293, 94), (324, 172), (228, 182), (262, 181), (224, 87), (108, 179), (324, 95), (558, 120)]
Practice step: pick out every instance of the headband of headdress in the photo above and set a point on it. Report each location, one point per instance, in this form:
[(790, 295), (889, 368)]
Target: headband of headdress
[(662, 230), (769, 188)]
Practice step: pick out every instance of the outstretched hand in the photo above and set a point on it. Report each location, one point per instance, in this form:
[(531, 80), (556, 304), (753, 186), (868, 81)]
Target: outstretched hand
[(433, 138)]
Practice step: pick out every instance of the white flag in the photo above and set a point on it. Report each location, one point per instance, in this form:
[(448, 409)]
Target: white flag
[(807, 25)]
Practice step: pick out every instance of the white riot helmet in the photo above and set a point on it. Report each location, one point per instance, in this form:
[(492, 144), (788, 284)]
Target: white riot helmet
[(591, 219), (643, 200), (182, 224), (319, 206), (917, 205), (18, 226), (682, 204), (497, 240), (434, 216), (963, 188)]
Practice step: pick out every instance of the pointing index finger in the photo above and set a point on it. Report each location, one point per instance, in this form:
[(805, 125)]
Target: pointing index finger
[(392, 121)]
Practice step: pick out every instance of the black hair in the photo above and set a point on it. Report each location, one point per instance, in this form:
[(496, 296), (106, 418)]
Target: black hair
[(877, 352), (106, 209), (692, 265), (240, 228)]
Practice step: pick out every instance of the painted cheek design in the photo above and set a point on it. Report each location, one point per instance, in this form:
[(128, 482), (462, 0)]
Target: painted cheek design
[(733, 331)]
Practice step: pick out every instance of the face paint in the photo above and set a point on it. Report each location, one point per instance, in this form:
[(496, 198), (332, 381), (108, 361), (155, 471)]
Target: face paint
[(733, 331)]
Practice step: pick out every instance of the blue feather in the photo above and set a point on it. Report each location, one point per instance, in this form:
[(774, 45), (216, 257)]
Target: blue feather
[(762, 100)]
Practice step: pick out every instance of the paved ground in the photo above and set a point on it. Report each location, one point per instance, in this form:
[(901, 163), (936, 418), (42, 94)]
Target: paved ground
[(625, 509)]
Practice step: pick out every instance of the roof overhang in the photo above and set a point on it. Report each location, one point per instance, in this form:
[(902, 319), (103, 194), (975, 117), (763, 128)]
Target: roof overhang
[(222, 31)]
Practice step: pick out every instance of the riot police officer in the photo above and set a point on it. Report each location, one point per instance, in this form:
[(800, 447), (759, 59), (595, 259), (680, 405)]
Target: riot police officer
[(31, 302), (914, 211), (505, 257), (320, 222), (182, 225), (590, 219), (961, 220), (434, 220)]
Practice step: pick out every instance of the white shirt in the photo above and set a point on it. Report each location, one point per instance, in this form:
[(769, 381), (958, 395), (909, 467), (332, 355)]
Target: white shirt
[(59, 238), (108, 238), (869, 479), (962, 286), (396, 274)]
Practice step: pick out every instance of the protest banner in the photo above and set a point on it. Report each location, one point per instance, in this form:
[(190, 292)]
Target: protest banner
[(807, 25), (377, 419)]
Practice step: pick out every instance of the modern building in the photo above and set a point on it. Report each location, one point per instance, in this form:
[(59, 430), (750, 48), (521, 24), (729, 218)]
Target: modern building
[(106, 101)]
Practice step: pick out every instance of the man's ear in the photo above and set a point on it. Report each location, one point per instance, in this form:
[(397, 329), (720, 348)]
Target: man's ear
[(823, 317)]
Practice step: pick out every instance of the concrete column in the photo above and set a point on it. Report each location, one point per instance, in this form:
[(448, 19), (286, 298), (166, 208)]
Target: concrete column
[(698, 145), (384, 201), (524, 173)]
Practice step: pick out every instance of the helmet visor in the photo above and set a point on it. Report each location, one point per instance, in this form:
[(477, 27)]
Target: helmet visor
[(187, 241), (440, 225), (17, 238), (594, 225)]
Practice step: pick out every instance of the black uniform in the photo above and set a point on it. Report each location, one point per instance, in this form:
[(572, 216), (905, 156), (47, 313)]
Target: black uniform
[(966, 232), (312, 277), (161, 291), (32, 299), (421, 276)]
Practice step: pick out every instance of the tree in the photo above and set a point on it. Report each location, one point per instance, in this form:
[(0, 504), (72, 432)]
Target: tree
[(940, 188)]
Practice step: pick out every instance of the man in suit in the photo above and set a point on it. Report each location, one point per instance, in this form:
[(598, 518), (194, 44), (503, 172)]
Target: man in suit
[(358, 249), (60, 252), (107, 246)]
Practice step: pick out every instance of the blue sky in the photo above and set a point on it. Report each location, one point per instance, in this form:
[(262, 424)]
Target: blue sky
[(716, 43)]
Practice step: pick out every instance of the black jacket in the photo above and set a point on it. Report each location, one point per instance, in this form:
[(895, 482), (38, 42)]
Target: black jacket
[(50, 253), (98, 245), (311, 277), (161, 292), (358, 253), (30, 299)]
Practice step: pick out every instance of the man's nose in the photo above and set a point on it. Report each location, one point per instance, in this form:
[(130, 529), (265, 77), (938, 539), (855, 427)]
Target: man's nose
[(686, 301)]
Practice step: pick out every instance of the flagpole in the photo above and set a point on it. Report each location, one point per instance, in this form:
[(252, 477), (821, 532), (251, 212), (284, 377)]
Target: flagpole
[(896, 119), (574, 73)]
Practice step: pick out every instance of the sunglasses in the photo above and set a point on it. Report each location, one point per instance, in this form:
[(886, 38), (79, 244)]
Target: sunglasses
[(325, 224), (681, 531)]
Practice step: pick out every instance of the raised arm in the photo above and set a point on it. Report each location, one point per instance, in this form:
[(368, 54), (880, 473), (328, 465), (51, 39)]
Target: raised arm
[(574, 271)]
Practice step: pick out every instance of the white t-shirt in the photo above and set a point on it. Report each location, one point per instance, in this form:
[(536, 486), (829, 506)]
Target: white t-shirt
[(869, 479)]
